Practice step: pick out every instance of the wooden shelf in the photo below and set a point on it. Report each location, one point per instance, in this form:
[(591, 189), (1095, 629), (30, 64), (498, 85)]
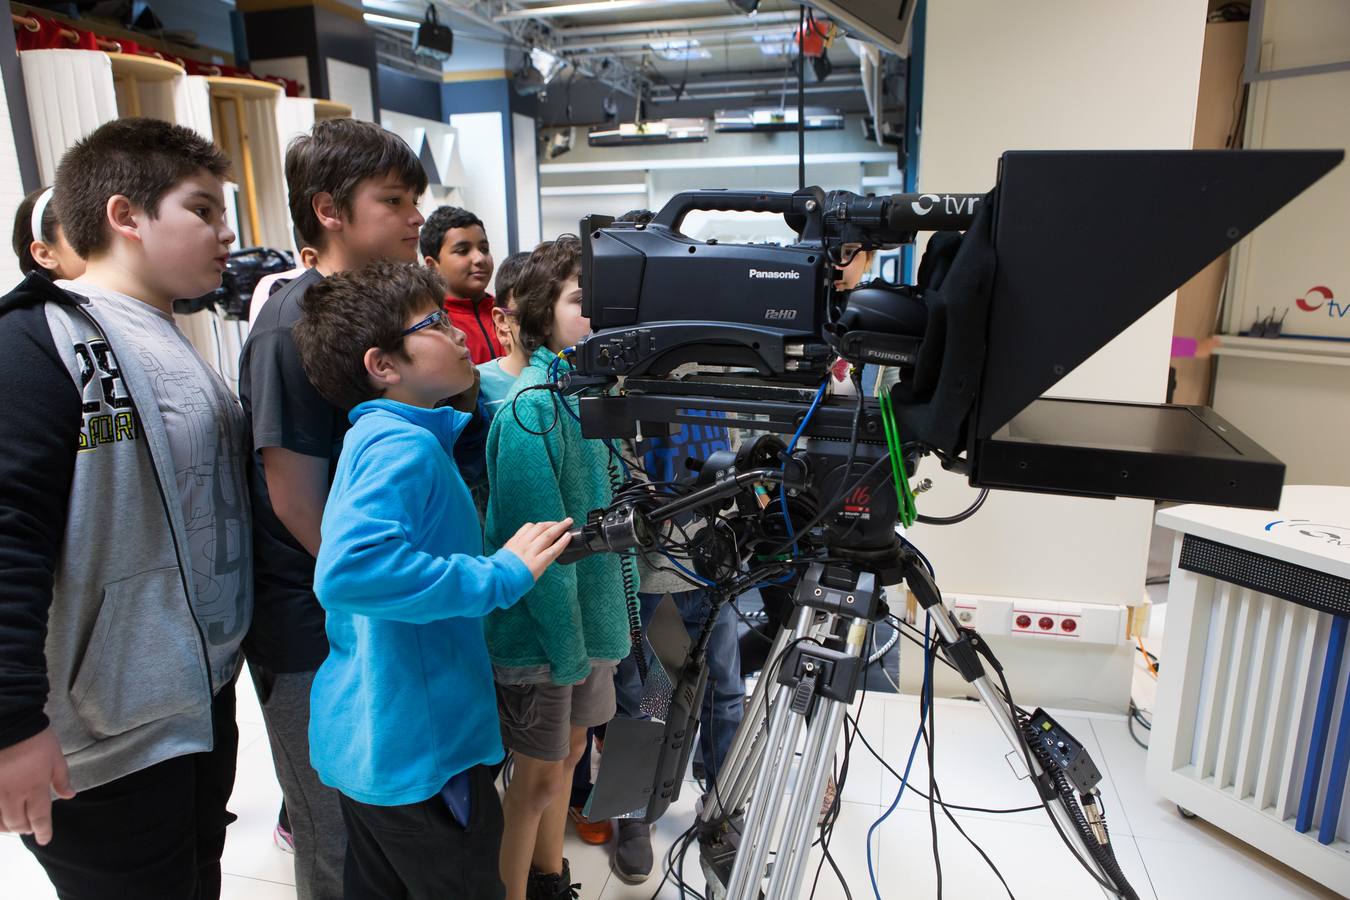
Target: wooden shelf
[(244, 88), (1286, 349), (331, 109), (143, 68)]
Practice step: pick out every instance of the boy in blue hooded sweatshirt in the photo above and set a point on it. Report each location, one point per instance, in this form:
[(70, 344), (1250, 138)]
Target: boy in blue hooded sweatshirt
[(403, 715)]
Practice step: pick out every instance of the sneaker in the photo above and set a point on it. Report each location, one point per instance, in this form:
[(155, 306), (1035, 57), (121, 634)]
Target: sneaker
[(590, 832), (283, 839), (632, 860), (552, 886)]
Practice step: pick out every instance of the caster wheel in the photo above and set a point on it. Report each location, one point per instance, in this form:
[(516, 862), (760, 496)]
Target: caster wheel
[(1185, 813)]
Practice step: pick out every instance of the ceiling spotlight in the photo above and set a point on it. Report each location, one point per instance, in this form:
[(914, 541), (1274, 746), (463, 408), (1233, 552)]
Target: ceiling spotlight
[(547, 64), (744, 6), (432, 38)]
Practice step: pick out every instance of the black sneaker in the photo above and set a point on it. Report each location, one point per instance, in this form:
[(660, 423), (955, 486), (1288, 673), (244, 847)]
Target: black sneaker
[(552, 886), (632, 860)]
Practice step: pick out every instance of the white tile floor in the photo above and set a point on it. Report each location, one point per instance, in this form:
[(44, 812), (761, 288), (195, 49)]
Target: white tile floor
[(1165, 856)]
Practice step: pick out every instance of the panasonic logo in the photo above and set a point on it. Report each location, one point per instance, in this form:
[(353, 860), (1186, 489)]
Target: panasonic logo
[(778, 275)]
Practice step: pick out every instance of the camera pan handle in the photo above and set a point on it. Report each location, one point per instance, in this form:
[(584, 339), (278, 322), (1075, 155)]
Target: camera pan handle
[(673, 213)]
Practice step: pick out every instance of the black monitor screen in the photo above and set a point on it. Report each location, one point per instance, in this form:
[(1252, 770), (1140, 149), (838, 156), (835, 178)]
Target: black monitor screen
[(1146, 429)]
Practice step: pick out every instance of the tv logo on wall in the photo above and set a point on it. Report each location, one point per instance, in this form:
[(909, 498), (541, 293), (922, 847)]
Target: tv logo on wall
[(1319, 298)]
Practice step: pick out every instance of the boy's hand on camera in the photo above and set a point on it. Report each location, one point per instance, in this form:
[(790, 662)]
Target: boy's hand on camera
[(538, 544), (29, 772)]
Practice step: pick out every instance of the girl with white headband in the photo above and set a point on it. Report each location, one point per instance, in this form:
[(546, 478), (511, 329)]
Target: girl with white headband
[(39, 241)]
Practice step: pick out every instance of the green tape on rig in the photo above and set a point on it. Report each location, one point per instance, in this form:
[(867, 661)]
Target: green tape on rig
[(903, 495)]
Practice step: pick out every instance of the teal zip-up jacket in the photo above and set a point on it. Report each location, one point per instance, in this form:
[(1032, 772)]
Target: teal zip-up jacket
[(405, 699), (576, 616)]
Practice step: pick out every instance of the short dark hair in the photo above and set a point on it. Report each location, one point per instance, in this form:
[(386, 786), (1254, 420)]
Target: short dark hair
[(141, 159), (23, 232), (508, 273), (346, 314), (441, 221), (638, 216), (537, 288), (334, 158)]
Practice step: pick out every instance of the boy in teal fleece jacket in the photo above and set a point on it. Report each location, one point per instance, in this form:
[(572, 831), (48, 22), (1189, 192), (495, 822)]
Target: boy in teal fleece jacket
[(554, 653), (403, 718)]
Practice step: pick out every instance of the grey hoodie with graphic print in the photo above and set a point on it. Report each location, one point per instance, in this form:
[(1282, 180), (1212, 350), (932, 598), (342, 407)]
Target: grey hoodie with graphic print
[(125, 576)]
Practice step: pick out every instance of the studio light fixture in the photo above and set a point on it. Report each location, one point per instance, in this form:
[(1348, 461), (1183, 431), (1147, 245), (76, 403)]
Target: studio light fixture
[(661, 131), (433, 38), (776, 119), (547, 64)]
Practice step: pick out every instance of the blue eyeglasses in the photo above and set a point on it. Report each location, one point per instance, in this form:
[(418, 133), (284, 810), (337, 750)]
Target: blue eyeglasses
[(437, 319)]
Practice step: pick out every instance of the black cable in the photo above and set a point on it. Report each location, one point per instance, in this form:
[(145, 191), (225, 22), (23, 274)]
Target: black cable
[(1045, 804), (930, 741), (833, 503), (801, 100), (932, 778), (1130, 725), (515, 415), (959, 517), (628, 568), (911, 788)]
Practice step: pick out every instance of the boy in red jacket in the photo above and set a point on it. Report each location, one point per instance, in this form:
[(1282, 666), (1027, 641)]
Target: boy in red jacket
[(454, 243)]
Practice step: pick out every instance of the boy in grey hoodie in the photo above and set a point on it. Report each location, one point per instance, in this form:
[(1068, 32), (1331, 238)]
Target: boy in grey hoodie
[(125, 575)]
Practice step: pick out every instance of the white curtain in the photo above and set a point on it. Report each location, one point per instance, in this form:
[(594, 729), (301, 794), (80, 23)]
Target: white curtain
[(295, 116), (70, 93), (192, 104)]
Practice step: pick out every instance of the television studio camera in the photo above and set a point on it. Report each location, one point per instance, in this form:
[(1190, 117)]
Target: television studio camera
[(1016, 288)]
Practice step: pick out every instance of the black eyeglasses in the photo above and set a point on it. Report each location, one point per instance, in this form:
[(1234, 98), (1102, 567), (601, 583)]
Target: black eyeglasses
[(438, 319)]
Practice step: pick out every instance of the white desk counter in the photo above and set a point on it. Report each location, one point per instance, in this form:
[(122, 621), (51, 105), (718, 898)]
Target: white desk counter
[(1251, 730)]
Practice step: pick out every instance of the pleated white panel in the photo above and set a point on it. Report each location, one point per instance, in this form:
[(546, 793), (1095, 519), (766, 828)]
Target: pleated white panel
[(192, 104), (295, 116), (70, 93), (274, 221)]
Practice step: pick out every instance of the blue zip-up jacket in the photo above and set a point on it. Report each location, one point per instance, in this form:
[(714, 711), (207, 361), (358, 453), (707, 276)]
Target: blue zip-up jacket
[(405, 699)]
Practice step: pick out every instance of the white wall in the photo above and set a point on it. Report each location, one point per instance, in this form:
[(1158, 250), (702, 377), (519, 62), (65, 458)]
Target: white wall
[(526, 159), (484, 190), (1296, 404), (1057, 74)]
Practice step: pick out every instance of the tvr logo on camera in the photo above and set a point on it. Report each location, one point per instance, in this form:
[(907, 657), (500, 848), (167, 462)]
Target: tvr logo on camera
[(945, 203), (776, 274)]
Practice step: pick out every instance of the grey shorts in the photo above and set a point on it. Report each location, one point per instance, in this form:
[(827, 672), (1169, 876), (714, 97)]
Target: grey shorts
[(537, 718)]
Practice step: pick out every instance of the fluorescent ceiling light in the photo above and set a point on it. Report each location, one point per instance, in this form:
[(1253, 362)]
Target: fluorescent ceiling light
[(391, 21), (581, 9), (664, 131), (776, 119), (679, 49)]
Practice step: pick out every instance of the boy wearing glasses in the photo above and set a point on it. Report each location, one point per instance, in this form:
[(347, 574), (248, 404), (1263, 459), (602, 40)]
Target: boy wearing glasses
[(353, 198), (404, 719)]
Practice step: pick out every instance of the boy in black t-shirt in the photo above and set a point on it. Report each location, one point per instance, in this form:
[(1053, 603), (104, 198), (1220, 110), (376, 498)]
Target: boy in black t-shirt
[(353, 196)]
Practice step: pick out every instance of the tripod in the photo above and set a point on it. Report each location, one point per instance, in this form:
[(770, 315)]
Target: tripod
[(776, 774)]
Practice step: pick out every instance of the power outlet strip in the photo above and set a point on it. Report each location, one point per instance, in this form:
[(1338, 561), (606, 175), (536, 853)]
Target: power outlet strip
[(1083, 623)]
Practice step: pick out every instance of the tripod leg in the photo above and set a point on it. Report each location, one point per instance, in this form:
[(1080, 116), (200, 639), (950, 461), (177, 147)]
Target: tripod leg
[(817, 761), (784, 727), (736, 774)]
